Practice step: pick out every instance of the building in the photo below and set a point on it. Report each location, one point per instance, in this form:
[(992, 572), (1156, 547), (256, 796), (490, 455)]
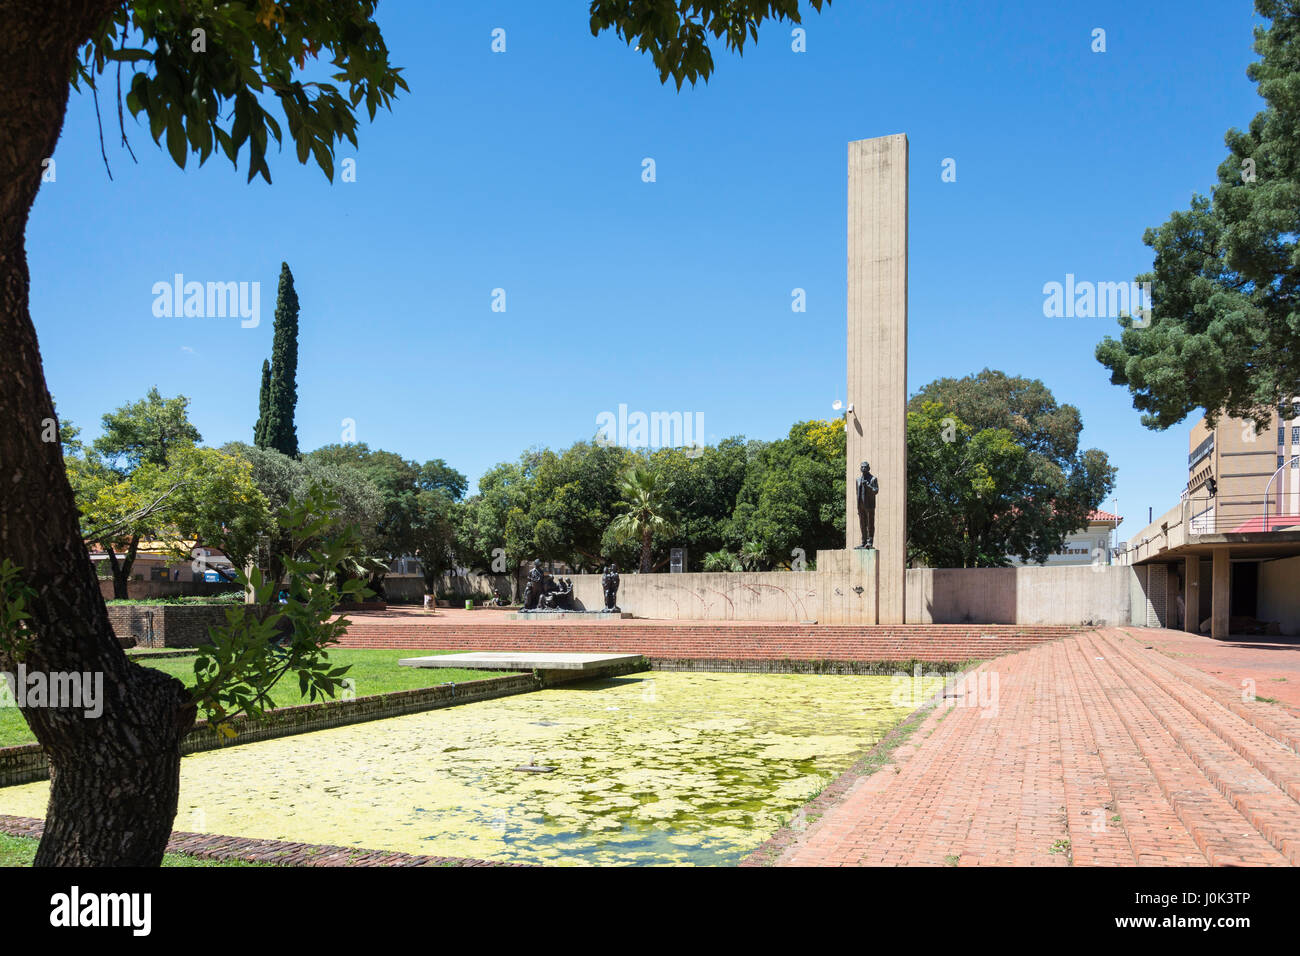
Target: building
[(1239, 479), (1090, 545), (1228, 554)]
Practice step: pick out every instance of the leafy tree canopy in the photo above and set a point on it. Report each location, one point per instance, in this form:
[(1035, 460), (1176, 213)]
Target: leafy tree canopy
[(1224, 332), (994, 461)]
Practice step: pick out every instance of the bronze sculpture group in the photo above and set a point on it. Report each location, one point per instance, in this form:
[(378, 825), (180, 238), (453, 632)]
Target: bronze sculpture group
[(545, 593)]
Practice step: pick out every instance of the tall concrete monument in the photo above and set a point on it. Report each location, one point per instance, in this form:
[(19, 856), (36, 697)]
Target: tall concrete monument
[(877, 356)]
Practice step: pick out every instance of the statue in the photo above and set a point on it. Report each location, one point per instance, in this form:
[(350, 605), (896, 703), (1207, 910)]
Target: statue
[(868, 488), (558, 595), (609, 584), (534, 588)]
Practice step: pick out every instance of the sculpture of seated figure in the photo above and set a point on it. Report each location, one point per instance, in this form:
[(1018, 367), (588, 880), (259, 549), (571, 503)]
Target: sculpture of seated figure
[(558, 595)]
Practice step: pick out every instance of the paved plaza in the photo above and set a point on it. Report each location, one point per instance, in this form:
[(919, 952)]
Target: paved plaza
[(1102, 751)]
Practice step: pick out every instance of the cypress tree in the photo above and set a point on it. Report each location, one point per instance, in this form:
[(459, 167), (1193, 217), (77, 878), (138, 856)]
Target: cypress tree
[(280, 432), (263, 406)]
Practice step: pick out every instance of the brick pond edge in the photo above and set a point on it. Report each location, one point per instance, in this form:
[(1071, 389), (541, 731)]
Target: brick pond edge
[(214, 846)]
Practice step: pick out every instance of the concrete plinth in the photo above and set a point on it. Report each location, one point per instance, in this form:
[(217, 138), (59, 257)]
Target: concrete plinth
[(849, 561), (595, 616)]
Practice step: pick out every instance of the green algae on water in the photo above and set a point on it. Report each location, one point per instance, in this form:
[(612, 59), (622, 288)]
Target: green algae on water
[(653, 768)]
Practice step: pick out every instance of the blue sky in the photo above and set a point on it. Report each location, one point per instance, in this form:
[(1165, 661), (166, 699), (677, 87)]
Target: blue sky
[(523, 171)]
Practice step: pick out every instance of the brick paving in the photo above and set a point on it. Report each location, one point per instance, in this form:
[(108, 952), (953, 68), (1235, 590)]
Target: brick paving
[(1271, 663), (1096, 750)]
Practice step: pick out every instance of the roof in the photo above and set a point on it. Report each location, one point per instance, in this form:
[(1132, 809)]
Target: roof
[(1104, 517)]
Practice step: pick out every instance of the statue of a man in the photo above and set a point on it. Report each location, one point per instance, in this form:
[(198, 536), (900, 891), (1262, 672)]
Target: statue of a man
[(868, 488), (609, 584), (533, 589)]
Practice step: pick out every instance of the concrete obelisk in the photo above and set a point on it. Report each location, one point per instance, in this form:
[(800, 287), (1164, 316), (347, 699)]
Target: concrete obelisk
[(877, 355)]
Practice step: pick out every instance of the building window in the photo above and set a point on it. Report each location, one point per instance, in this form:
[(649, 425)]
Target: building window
[(1295, 434), (1281, 435), (1281, 460)]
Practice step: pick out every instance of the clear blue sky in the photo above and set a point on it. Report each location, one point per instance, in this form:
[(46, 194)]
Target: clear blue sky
[(522, 171)]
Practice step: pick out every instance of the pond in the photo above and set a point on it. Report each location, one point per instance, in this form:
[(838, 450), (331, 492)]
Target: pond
[(652, 768)]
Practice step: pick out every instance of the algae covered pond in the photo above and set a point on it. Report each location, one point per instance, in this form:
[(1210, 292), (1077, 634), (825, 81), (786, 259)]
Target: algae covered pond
[(652, 768)]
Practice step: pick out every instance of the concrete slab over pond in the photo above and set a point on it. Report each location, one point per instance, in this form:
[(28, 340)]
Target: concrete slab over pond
[(572, 663), (553, 666)]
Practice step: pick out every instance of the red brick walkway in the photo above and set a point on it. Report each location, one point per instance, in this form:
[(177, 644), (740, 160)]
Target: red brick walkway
[(1095, 750)]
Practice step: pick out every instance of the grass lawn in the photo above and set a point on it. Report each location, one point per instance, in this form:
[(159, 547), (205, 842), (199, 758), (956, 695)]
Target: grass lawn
[(374, 671), (20, 851)]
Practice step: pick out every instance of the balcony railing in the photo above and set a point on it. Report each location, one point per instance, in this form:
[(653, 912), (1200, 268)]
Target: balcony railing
[(1241, 514)]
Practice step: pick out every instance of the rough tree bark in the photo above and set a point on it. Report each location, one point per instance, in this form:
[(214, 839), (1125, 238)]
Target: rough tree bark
[(115, 779)]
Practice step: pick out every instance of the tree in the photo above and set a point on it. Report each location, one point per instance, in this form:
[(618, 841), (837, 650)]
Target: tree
[(145, 432), (125, 485), (675, 32), (417, 516), (647, 512), (203, 98), (276, 429), (702, 487), (282, 480), (263, 405), (493, 532), (1224, 327), (963, 490), (792, 501), (995, 460)]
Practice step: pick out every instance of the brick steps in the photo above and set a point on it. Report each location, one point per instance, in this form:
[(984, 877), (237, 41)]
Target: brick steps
[(1101, 752), (1271, 756), (707, 640), (1222, 831)]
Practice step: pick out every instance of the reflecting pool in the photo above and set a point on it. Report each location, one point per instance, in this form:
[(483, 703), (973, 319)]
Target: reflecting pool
[(652, 768)]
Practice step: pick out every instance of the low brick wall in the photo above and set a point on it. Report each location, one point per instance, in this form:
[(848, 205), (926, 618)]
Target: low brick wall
[(699, 640), (216, 846), (166, 625)]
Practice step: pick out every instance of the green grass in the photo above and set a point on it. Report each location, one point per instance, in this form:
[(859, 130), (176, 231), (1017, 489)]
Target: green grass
[(374, 671), (20, 851)]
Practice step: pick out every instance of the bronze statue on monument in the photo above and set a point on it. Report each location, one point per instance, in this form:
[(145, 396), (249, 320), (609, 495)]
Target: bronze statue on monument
[(868, 488)]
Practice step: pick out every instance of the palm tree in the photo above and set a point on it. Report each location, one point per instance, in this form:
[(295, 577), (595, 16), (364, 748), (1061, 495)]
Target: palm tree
[(647, 511)]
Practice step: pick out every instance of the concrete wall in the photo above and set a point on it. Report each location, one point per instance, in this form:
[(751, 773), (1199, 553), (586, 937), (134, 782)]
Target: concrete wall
[(828, 598), (1098, 595), (1279, 593), (1028, 595)]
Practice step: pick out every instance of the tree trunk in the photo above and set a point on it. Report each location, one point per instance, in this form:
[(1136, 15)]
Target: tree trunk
[(113, 779), (121, 568), (646, 554)]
